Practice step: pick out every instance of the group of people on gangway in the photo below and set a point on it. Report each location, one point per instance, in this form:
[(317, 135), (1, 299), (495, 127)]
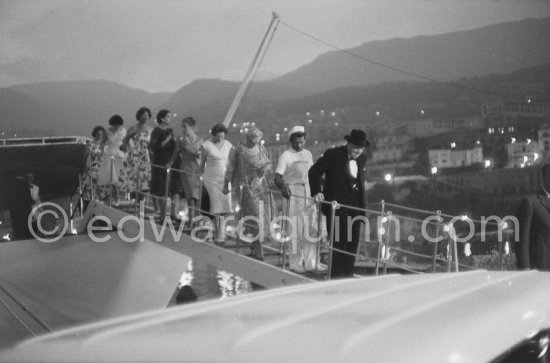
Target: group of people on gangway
[(144, 161)]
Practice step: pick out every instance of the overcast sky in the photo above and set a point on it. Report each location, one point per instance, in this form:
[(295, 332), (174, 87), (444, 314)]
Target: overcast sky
[(161, 45)]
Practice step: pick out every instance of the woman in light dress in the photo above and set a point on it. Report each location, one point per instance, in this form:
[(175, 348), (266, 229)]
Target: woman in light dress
[(249, 165), (136, 173), (214, 158), (113, 159), (189, 149)]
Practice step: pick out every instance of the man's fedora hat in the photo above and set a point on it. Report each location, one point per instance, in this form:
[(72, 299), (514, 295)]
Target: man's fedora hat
[(357, 137)]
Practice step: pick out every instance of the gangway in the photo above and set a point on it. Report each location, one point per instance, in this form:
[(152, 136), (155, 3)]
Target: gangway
[(268, 273)]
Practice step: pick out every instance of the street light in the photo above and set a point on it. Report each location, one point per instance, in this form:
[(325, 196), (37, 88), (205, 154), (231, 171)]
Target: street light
[(390, 180), (434, 170)]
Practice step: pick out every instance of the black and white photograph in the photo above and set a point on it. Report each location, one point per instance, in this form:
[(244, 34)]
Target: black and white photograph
[(275, 180)]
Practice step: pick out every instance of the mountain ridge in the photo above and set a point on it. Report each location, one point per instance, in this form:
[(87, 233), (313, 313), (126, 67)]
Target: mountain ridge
[(75, 107), (485, 50)]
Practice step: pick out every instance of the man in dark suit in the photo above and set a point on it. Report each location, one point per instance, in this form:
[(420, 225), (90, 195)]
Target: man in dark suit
[(534, 223), (345, 182), (21, 203)]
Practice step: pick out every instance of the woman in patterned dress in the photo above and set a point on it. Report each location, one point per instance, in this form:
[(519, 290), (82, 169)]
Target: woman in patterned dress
[(113, 158), (249, 165), (214, 159), (93, 163), (136, 172)]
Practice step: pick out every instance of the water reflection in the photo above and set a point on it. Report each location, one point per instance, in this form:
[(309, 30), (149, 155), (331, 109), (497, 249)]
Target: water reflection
[(210, 283)]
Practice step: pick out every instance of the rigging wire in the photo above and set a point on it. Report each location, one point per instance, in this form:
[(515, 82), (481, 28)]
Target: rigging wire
[(380, 64)]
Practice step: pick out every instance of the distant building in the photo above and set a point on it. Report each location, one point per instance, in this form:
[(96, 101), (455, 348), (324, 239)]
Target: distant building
[(462, 137), (522, 153), (471, 122), (427, 127), (544, 142), (520, 119), (392, 148), (454, 158)]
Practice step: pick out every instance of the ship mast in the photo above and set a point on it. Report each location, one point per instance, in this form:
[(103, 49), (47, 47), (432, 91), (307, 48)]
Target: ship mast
[(251, 73)]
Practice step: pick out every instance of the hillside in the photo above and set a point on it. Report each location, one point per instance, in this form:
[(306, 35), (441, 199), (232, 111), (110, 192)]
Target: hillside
[(496, 49), (69, 108), (507, 60), (500, 48), (398, 100)]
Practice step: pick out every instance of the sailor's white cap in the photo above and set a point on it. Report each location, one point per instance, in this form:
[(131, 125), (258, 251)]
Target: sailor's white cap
[(296, 129)]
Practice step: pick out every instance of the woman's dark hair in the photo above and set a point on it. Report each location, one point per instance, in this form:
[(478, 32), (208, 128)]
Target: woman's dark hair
[(96, 130), (141, 111), (162, 114), (116, 120), (218, 128), (190, 121)]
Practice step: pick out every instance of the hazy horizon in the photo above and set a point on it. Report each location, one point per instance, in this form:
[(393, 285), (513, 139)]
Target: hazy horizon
[(160, 46)]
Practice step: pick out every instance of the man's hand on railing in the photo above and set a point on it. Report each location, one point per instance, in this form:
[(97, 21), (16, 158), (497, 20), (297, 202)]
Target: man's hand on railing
[(286, 192), (319, 197)]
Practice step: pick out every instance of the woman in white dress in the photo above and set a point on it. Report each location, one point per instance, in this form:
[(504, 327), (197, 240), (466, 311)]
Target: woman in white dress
[(214, 159), (113, 159)]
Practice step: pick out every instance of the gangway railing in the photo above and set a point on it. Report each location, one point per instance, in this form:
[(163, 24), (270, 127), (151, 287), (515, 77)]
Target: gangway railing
[(33, 141), (441, 234)]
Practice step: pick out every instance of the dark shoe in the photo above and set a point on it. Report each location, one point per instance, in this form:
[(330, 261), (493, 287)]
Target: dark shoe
[(219, 243), (298, 271), (256, 257)]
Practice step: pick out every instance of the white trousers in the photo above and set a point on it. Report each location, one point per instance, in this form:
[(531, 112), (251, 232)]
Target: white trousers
[(301, 228)]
